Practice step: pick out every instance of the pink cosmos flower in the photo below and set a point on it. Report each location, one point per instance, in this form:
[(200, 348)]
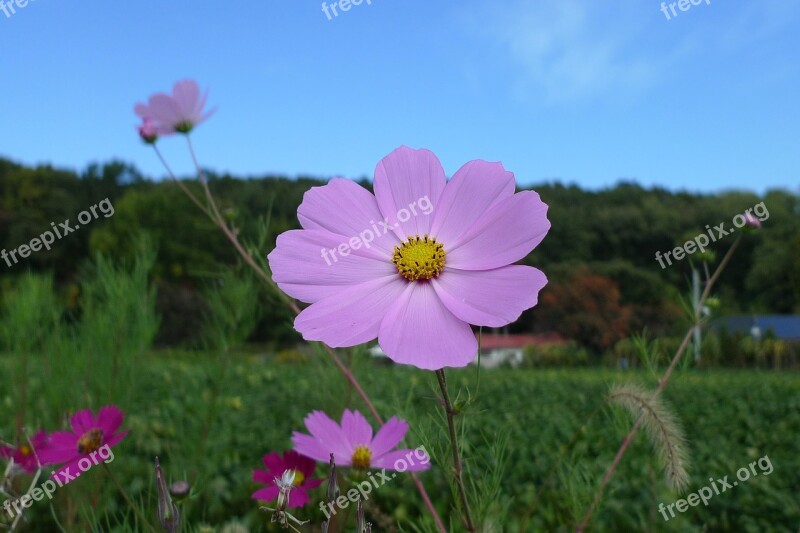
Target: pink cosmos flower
[(179, 112), (415, 264), (78, 448), (303, 469), (24, 455), (352, 443)]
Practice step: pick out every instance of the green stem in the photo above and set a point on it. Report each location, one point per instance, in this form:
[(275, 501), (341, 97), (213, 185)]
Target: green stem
[(457, 466), (128, 499)]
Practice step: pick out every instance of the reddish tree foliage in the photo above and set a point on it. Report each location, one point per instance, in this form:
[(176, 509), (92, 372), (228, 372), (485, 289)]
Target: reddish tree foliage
[(586, 308)]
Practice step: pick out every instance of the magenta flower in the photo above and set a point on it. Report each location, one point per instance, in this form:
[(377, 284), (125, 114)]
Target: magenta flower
[(25, 454), (179, 112), (415, 264), (89, 442), (352, 443), (303, 469)]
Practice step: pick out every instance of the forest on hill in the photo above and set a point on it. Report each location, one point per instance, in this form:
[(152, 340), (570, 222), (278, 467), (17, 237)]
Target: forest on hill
[(600, 255)]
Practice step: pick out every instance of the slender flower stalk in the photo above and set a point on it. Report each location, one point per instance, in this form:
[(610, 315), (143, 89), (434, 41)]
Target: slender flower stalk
[(457, 466), (662, 384)]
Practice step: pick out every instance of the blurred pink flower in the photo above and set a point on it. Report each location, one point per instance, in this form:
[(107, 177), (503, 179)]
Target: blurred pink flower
[(148, 131), (303, 469), (88, 435), (179, 112), (415, 264), (24, 455), (352, 443), (750, 221)]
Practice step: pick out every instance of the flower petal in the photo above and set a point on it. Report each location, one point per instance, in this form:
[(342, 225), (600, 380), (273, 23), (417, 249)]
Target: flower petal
[(109, 419), (313, 448), (165, 111), (186, 94), (402, 179), (490, 298), (83, 421), (298, 497), (307, 265), (69, 470), (356, 427), (352, 316), (274, 463), (504, 234), (419, 330), (402, 460), (323, 428), (346, 208), (389, 436), (476, 187), (63, 447), (267, 494)]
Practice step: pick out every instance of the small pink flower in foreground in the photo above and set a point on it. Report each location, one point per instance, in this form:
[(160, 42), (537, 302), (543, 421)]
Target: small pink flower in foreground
[(88, 435), (24, 455), (303, 469), (352, 443), (179, 112), (415, 264)]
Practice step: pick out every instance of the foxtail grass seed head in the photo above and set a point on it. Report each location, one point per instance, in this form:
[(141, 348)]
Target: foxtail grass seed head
[(660, 425)]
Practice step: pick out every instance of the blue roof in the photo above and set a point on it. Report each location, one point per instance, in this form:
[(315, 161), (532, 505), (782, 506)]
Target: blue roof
[(785, 327)]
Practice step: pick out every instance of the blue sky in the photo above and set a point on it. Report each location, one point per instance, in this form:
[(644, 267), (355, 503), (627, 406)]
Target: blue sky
[(586, 92)]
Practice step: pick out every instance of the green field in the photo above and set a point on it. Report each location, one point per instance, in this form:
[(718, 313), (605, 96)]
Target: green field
[(251, 406)]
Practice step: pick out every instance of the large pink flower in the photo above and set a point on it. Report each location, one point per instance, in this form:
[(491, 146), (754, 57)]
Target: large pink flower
[(303, 469), (352, 443), (177, 112), (26, 453), (90, 436), (415, 264)]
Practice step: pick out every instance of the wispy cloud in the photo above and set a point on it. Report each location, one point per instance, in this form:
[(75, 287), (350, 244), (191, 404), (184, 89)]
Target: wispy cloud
[(572, 49)]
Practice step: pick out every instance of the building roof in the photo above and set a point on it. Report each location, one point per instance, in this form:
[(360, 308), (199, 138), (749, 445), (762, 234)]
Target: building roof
[(784, 327), (492, 341)]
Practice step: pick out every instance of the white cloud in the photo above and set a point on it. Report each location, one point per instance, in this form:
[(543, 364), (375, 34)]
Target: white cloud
[(572, 49)]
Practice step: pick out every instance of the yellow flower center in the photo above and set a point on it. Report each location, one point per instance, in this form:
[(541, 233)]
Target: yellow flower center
[(90, 441), (419, 258), (25, 450), (298, 478), (361, 457)]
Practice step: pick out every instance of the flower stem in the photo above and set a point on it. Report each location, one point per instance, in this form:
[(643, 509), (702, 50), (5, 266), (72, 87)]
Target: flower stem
[(662, 384), (457, 466), (127, 498)]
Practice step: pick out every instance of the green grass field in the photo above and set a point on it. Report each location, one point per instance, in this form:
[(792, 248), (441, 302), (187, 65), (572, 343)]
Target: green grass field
[(525, 418)]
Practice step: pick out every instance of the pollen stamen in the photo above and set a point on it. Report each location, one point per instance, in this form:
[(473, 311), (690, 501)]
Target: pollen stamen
[(362, 457), (90, 441), (419, 258)]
